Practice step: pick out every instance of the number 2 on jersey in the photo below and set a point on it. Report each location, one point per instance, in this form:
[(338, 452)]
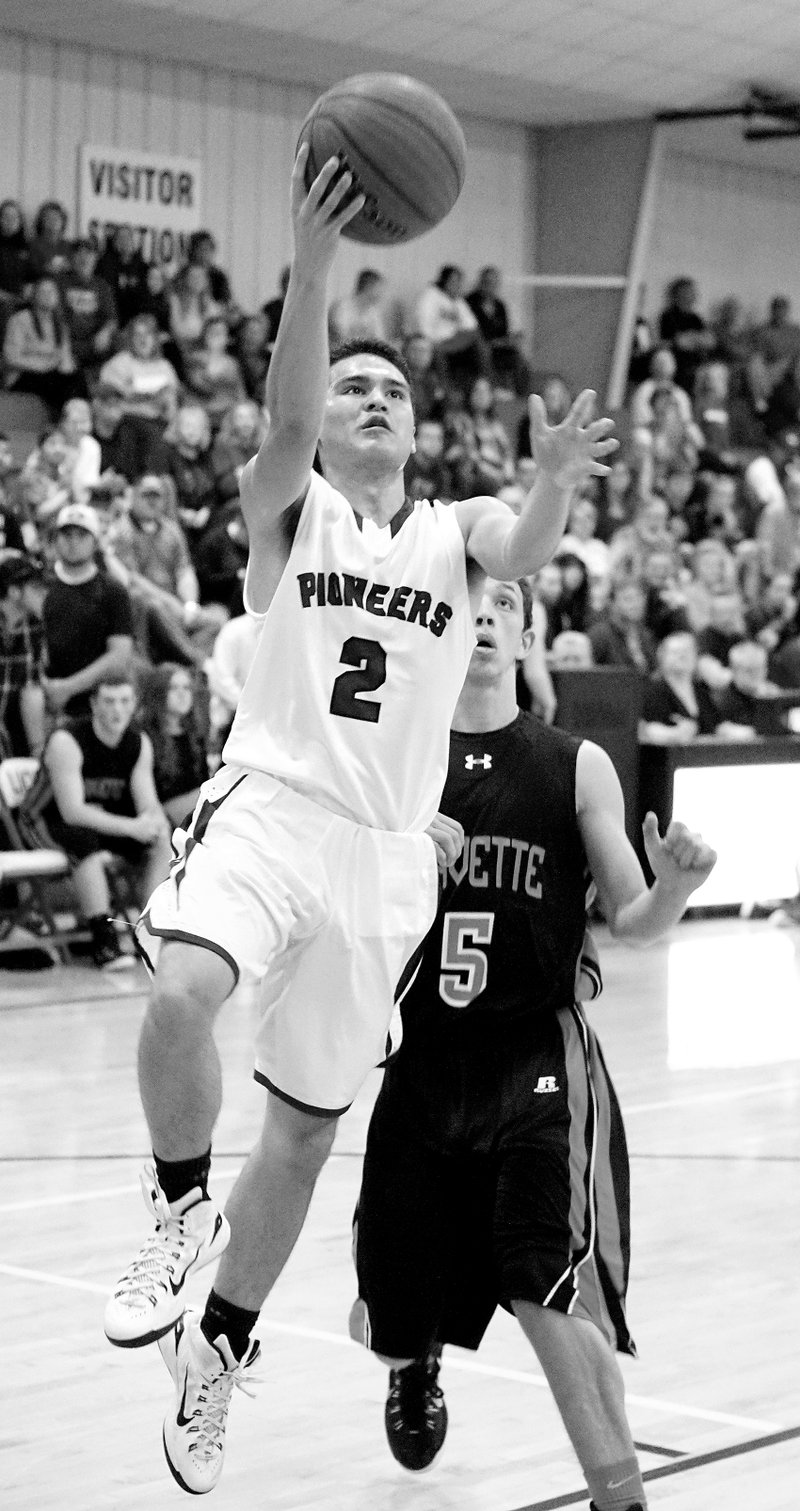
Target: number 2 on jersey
[(464, 969), (369, 657)]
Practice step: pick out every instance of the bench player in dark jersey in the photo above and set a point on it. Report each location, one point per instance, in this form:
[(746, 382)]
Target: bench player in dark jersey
[(496, 1168)]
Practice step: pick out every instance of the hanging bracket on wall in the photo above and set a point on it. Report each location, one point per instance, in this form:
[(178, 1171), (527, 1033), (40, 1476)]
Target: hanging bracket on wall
[(768, 116)]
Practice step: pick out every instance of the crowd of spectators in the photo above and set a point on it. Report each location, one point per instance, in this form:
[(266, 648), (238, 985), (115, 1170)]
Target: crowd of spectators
[(123, 547)]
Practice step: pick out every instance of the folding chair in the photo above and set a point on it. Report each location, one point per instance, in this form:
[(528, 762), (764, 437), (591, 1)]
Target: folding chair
[(29, 871)]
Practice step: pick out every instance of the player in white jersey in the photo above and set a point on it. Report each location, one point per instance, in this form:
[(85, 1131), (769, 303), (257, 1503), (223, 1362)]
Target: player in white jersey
[(311, 858)]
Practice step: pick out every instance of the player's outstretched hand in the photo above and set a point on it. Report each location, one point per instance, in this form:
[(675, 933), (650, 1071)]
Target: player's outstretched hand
[(320, 213), (448, 837), (680, 858), (573, 450)]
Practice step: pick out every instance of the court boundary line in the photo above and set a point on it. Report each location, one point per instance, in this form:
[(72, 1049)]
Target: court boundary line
[(693, 1461), (454, 1361)]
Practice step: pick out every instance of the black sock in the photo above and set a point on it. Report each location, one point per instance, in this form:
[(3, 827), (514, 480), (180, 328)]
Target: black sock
[(221, 1316), (177, 1176)]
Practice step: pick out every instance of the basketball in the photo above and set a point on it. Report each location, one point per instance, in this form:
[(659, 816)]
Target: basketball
[(403, 145)]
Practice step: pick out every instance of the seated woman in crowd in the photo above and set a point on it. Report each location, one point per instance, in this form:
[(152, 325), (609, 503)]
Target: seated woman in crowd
[(211, 372), (668, 441), (49, 248), (572, 609), (37, 355), (146, 382), (633, 543), (191, 304), (169, 714), (443, 315), (677, 705), (618, 494), (494, 453), (581, 539)]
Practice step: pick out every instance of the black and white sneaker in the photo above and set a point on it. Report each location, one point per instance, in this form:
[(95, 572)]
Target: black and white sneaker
[(107, 952), (204, 1375), (416, 1414), (148, 1299)]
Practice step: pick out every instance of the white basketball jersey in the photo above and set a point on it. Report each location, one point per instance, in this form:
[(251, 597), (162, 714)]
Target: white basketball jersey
[(359, 665)]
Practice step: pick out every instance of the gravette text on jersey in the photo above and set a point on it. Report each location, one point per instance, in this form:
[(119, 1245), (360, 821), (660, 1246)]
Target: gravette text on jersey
[(342, 589), (494, 860)]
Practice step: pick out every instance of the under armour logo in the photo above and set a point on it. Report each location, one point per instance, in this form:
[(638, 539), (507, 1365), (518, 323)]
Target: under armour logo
[(546, 1083), (471, 761)]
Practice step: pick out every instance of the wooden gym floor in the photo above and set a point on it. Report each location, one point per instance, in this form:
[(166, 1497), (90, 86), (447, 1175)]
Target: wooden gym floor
[(702, 1034)]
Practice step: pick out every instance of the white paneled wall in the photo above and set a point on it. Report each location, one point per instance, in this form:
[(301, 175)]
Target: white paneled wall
[(243, 129), (734, 228)]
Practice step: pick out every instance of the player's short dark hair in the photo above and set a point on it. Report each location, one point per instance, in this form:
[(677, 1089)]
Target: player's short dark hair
[(372, 347), (524, 586)]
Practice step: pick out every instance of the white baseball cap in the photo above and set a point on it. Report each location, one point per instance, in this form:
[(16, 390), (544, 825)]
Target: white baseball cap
[(81, 517)]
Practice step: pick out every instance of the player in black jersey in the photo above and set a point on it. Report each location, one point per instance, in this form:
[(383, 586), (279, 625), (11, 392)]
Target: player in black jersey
[(496, 1168)]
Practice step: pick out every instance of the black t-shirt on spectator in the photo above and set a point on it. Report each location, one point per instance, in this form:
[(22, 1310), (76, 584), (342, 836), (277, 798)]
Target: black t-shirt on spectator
[(133, 449), (79, 618)]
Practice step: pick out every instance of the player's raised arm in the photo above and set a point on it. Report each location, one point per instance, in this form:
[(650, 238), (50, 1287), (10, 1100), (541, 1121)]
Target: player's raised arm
[(681, 861), (297, 380), (508, 546)]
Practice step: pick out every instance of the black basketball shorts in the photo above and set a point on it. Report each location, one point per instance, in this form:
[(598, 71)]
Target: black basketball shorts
[(496, 1170)]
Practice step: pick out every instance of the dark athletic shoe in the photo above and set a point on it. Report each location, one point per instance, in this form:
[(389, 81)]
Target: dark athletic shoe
[(416, 1414)]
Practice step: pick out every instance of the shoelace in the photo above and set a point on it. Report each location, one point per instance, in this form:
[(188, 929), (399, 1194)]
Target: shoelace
[(212, 1408), (146, 1274), (415, 1391)]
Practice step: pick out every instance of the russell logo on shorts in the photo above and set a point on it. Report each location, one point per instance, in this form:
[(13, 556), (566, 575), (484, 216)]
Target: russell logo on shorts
[(546, 1083)]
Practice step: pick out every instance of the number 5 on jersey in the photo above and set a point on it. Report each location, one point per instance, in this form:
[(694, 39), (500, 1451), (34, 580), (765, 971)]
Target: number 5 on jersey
[(464, 969), (369, 659)]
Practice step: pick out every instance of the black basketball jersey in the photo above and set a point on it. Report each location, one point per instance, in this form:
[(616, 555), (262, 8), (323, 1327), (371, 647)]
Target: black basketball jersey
[(106, 771), (511, 919)]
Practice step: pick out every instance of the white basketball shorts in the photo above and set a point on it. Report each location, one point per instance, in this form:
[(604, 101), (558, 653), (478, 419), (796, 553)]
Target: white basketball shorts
[(323, 911)]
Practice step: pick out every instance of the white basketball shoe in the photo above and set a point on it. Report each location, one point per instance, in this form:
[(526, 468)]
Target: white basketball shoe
[(204, 1375), (148, 1298)]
